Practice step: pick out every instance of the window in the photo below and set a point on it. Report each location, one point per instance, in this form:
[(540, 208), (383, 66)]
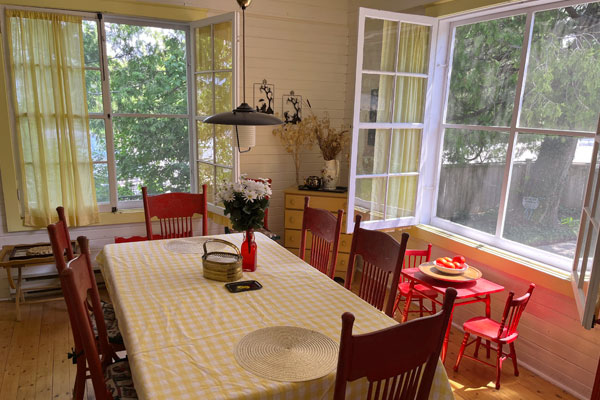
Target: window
[(522, 105), (214, 86), (497, 140), (140, 102), (392, 78)]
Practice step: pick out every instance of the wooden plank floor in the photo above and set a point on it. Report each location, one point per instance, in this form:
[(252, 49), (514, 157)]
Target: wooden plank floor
[(34, 364)]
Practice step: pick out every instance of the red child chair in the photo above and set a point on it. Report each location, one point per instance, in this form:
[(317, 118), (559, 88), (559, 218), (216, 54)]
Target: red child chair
[(503, 333), (412, 259)]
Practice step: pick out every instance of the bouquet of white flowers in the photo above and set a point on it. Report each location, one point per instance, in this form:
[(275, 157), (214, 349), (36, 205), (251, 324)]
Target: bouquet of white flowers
[(245, 202)]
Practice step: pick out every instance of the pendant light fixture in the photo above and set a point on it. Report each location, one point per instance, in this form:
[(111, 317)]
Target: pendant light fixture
[(244, 118)]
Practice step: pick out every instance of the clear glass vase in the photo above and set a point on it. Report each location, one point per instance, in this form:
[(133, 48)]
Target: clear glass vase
[(248, 251)]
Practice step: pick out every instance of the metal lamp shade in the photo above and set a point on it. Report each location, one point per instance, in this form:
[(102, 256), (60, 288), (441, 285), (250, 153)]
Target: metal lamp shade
[(243, 115)]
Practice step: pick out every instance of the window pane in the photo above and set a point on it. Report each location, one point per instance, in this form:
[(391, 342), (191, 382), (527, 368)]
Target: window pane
[(376, 98), (373, 151), (413, 54), (546, 192), (147, 69), (98, 139), (223, 147), (206, 176), (203, 49), (485, 67), (93, 85), (401, 197), (223, 92), (473, 165), (204, 94), (368, 198), (406, 149), (561, 87), (101, 183), (152, 152), (380, 43), (223, 46), (91, 51), (205, 141), (410, 99)]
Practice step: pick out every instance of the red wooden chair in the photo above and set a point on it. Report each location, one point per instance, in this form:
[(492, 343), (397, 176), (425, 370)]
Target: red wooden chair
[(382, 256), (503, 333), (325, 229), (174, 212), (110, 380), (62, 248), (394, 365), (412, 259)]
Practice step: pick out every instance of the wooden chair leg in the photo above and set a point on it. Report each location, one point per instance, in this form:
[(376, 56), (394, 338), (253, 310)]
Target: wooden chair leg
[(513, 355), (498, 366), (79, 387), (421, 307), (477, 344), (462, 350), (487, 348), (433, 310)]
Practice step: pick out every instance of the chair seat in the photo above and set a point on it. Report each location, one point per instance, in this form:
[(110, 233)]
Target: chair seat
[(118, 381), (112, 326), (404, 288), (485, 327)]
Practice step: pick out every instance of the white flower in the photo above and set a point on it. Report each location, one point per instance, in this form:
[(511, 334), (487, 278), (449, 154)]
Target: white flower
[(250, 195), (227, 195)]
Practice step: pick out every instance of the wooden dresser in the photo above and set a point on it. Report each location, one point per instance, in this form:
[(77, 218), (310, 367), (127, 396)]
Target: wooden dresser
[(294, 206)]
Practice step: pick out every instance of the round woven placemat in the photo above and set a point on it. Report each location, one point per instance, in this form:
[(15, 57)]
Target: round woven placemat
[(287, 353), (186, 245)]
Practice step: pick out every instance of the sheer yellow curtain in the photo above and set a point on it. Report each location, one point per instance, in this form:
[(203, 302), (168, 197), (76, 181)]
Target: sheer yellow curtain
[(48, 77), (413, 56)]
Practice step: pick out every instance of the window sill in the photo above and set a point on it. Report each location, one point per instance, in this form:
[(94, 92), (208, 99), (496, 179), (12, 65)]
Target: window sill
[(542, 274)]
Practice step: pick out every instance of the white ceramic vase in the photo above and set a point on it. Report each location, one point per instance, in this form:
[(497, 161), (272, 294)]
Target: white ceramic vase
[(331, 174)]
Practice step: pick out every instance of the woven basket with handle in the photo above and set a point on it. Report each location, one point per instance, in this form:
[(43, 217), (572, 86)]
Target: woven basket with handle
[(222, 265)]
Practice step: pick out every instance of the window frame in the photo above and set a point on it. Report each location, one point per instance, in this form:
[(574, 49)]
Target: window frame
[(107, 115), (358, 125), (441, 93)]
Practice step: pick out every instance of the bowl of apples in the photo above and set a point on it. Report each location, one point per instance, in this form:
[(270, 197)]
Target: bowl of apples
[(451, 266)]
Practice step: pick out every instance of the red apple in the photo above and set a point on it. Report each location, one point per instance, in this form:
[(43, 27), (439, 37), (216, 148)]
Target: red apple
[(459, 259)]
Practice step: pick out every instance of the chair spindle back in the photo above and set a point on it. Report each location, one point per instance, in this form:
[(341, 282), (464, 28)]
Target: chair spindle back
[(325, 230), (513, 310), (174, 212), (81, 295), (394, 367), (382, 258), (414, 258)]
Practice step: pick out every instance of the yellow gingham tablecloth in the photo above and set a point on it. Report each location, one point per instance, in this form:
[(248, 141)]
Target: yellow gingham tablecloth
[(180, 329)]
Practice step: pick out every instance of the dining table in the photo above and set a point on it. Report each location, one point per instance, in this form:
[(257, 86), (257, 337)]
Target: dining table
[(180, 329), (467, 292)]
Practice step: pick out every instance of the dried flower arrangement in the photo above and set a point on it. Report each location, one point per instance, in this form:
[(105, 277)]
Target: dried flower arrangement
[(311, 128), (331, 140), (294, 138)]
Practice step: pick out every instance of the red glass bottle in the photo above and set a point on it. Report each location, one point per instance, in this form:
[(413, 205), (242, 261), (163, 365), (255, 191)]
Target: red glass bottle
[(249, 252)]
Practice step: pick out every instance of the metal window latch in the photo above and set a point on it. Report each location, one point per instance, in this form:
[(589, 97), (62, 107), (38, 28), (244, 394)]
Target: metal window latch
[(113, 209)]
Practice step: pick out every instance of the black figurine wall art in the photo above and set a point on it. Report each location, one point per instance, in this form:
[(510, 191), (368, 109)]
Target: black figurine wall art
[(292, 108), (264, 94)]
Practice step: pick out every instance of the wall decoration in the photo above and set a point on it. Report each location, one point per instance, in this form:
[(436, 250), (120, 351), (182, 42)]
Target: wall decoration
[(264, 95), (291, 107)]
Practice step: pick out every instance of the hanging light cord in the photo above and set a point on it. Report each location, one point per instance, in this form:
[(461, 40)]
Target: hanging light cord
[(244, 52)]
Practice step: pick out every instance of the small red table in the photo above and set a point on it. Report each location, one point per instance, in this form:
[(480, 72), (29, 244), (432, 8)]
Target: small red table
[(471, 292)]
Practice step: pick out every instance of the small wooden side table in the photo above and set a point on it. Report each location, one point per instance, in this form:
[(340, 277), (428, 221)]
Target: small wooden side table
[(19, 264)]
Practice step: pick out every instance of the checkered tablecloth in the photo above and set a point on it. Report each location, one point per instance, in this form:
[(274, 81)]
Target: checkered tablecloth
[(180, 329)]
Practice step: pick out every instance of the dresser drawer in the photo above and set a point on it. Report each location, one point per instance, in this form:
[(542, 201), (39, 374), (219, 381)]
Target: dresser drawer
[(340, 265), (327, 203), (293, 219), (292, 239)]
